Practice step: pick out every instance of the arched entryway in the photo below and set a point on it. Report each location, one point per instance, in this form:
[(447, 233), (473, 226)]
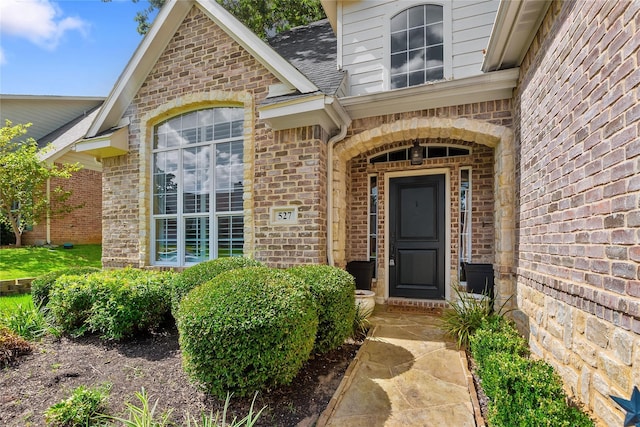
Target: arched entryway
[(499, 138)]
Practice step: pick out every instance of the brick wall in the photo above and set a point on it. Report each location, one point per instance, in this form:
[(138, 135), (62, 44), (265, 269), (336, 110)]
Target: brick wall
[(202, 67), (579, 219), (81, 226)]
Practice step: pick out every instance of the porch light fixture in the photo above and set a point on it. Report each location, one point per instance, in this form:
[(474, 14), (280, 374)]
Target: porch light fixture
[(416, 153)]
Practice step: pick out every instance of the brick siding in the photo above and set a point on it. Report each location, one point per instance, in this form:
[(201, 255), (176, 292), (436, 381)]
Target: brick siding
[(202, 67), (578, 269), (81, 226)]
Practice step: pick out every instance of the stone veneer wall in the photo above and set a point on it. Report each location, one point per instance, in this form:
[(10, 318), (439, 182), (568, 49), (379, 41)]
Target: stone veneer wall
[(82, 225), (482, 180), (578, 116), (202, 67)]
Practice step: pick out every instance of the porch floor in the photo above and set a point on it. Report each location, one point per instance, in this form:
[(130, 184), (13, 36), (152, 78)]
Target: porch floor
[(407, 373)]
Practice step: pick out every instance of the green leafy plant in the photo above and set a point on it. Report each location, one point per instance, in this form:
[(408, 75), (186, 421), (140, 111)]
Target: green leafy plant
[(41, 286), (333, 291), (204, 272), (145, 414), (29, 322), (246, 330), (466, 313), (117, 304), (11, 346), (218, 419), (522, 392), (361, 324), (83, 408)]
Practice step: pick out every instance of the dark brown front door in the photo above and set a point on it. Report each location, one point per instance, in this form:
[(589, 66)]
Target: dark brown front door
[(417, 237)]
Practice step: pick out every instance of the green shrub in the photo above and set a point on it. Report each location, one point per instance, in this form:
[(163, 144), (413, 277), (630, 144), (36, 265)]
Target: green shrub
[(246, 330), (497, 335), (333, 291), (204, 272), (144, 415), (117, 304), (83, 408), (522, 392), (41, 286)]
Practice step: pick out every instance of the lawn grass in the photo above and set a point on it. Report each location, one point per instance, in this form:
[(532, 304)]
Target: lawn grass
[(10, 303), (16, 263)]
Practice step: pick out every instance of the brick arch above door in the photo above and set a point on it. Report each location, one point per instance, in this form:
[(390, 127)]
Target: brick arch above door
[(498, 137)]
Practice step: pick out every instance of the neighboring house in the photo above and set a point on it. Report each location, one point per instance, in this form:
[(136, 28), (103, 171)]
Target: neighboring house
[(415, 134), (61, 121)]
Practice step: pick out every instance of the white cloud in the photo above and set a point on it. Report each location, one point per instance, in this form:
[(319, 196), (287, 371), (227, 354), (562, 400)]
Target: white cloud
[(3, 59), (39, 21)]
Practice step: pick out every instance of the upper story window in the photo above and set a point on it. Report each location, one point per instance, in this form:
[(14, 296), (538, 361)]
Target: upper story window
[(417, 46), (198, 187)]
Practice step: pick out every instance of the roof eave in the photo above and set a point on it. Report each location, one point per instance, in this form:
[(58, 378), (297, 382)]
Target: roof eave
[(514, 28), (318, 109)]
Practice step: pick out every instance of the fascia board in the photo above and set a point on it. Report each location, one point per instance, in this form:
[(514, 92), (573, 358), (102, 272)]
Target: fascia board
[(512, 32), (485, 87), (110, 145), (169, 18), (316, 110), (269, 58)]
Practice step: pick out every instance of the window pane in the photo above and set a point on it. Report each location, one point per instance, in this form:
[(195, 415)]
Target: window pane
[(196, 239), (416, 16), (398, 63), (399, 22), (399, 155), (458, 152), (222, 130), (398, 42), (416, 78), (434, 34), (437, 152), (196, 177), (416, 38), (399, 81), (166, 240), (230, 236), (229, 176), (434, 56), (434, 13), (435, 74), (417, 61)]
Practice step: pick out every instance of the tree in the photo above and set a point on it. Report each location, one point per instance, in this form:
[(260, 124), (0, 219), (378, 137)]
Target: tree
[(263, 17), (23, 182)]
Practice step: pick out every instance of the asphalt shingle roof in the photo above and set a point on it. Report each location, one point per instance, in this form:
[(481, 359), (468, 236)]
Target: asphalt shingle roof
[(312, 50)]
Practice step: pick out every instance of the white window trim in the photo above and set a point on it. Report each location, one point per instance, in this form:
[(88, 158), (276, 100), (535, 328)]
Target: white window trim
[(447, 29)]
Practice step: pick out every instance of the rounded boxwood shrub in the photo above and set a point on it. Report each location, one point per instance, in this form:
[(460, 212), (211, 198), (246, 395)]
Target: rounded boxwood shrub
[(246, 330), (204, 272), (117, 304), (41, 286), (333, 290)]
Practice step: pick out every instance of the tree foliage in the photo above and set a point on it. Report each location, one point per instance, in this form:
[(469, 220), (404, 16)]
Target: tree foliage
[(263, 17), (23, 179)]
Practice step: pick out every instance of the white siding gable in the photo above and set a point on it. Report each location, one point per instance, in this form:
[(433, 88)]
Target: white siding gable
[(364, 41)]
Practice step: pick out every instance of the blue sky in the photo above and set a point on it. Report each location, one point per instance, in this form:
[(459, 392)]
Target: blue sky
[(65, 47)]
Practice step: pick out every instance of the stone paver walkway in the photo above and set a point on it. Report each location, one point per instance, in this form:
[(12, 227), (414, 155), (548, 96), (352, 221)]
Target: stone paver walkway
[(407, 373)]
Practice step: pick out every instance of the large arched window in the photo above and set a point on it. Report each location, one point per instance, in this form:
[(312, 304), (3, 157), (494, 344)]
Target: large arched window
[(417, 46), (198, 187)]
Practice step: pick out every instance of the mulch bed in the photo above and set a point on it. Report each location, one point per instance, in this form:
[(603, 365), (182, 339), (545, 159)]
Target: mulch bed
[(57, 366)]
